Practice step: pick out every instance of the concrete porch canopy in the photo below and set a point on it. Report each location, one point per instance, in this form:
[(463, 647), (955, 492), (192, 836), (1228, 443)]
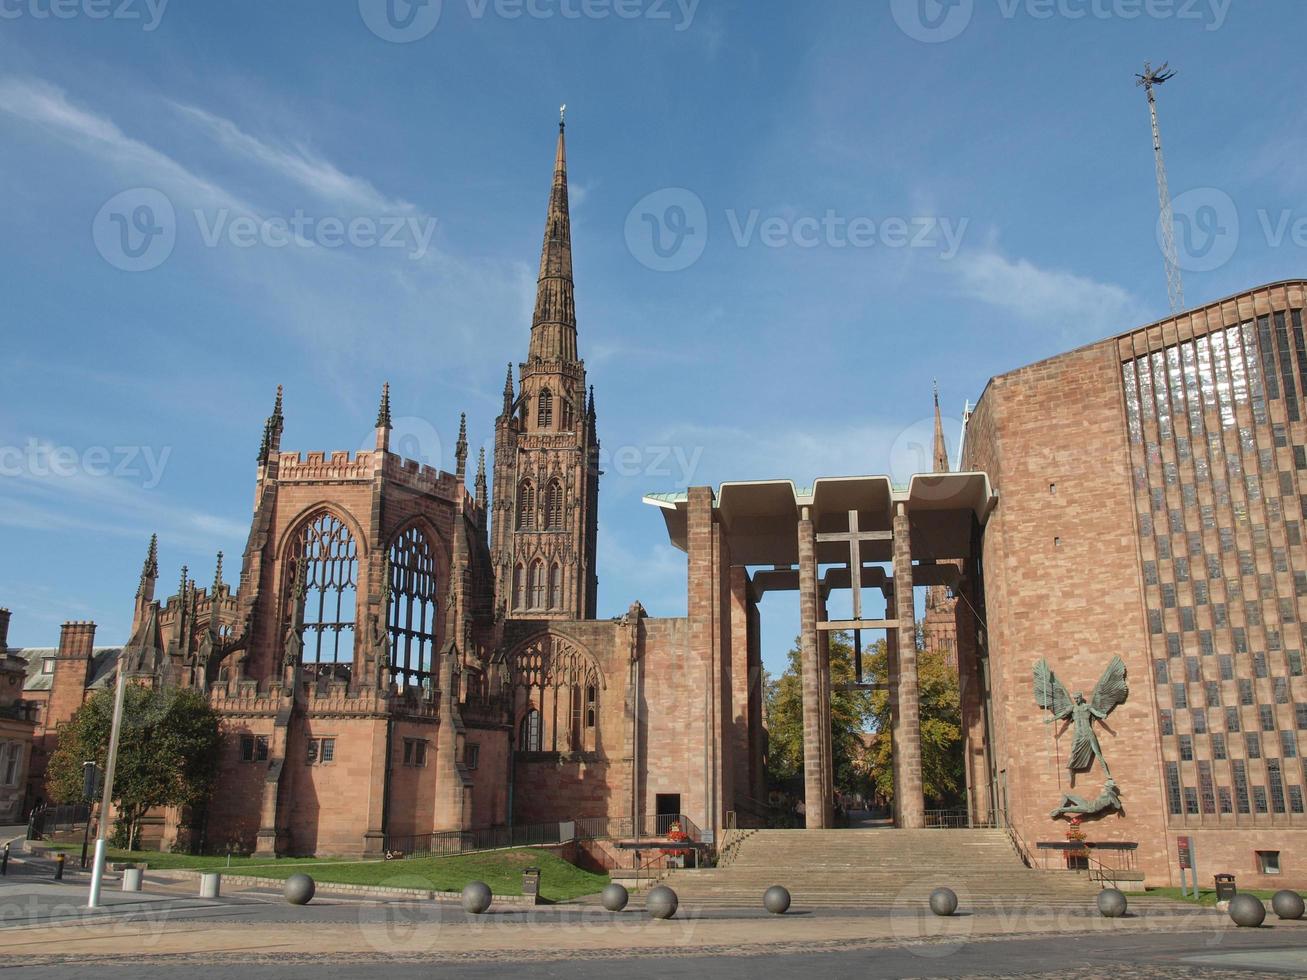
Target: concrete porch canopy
[(836, 534), (759, 516)]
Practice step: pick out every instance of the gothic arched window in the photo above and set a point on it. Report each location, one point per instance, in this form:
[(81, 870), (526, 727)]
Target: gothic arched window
[(569, 416), (412, 609), (555, 587), (326, 557), (545, 409), (554, 506), (537, 584), (528, 733), (526, 506), (519, 587)]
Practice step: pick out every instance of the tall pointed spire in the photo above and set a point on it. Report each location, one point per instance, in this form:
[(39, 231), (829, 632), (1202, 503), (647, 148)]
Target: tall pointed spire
[(553, 327), (217, 577), (941, 464), (590, 406), (271, 444), (460, 448), (149, 570), (383, 419), (481, 496), (508, 391)]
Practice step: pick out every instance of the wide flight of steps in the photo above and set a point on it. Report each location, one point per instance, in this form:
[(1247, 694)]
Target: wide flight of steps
[(879, 869)]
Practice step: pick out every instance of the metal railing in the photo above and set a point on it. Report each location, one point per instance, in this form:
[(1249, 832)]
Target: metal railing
[(57, 818), (957, 818), (1015, 838)]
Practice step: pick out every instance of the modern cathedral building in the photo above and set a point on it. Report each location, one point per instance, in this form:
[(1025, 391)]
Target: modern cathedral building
[(1117, 570)]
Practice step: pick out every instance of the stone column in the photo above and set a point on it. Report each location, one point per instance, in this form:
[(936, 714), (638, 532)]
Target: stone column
[(815, 761), (907, 741)]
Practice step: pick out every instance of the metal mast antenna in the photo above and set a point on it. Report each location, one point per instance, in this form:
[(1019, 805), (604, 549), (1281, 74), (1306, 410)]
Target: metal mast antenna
[(1174, 283)]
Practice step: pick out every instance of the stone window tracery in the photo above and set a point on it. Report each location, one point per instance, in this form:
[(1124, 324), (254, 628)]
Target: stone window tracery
[(413, 609), (554, 506), (526, 506), (326, 556), (545, 409)]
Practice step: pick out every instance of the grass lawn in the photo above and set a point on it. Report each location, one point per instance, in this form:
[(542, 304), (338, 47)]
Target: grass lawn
[(501, 870), (1206, 896)]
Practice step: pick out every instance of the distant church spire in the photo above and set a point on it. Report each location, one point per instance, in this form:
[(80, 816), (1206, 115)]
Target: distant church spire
[(553, 326), (383, 419), (481, 498), (149, 570), (941, 447), (271, 444), (460, 448), (508, 390)]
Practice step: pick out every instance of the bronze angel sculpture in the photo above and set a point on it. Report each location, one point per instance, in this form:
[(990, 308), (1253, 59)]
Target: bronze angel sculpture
[(1110, 691)]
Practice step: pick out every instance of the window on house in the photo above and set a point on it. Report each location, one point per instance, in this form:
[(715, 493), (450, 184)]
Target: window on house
[(471, 755), (528, 733), (415, 752), (1268, 862), (254, 748), (47, 665), (11, 756), (321, 751)]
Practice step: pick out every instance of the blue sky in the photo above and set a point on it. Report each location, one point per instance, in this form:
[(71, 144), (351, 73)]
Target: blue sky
[(844, 211)]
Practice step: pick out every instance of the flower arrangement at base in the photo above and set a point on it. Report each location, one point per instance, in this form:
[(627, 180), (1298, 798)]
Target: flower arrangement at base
[(1076, 855), (675, 833)]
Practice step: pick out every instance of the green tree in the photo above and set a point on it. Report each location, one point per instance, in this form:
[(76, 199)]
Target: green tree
[(167, 752), (852, 711), (942, 778)]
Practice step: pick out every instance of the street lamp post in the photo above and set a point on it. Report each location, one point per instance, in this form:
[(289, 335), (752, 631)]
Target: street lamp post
[(97, 871)]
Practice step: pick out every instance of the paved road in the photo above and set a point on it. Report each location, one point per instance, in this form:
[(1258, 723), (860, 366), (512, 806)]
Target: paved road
[(1244, 954)]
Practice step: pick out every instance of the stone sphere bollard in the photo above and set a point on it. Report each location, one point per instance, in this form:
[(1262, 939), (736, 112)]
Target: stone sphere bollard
[(1112, 903), (776, 900), (615, 897), (943, 901), (661, 902), (476, 897), (299, 889), (1247, 910), (1287, 904)]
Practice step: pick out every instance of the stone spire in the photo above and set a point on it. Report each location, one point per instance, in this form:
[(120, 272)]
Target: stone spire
[(508, 391), (460, 448), (481, 496), (217, 577), (271, 444), (553, 327), (383, 419), (941, 448), (149, 571), (590, 407)]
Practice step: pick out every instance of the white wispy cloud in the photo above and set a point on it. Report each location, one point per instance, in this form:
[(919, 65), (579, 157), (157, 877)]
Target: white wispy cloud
[(1078, 305), (298, 164)]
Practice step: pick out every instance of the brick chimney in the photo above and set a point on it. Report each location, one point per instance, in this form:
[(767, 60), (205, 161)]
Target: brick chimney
[(4, 631), (72, 667)]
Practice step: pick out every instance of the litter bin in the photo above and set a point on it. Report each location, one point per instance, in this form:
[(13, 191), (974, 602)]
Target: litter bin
[(1225, 889), (531, 884), (132, 879)]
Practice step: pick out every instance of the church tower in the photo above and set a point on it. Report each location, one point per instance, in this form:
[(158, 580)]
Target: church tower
[(546, 468)]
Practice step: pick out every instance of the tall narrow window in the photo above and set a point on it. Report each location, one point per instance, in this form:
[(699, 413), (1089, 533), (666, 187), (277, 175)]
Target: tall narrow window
[(555, 587), (554, 506), (569, 414), (526, 506), (545, 409), (528, 734), (519, 587), (537, 584), (327, 558), (412, 609)]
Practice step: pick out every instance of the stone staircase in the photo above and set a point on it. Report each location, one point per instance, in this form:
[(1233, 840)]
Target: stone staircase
[(884, 869)]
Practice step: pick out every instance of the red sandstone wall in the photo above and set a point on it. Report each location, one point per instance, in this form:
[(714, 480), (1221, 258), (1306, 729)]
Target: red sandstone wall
[(1062, 582)]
